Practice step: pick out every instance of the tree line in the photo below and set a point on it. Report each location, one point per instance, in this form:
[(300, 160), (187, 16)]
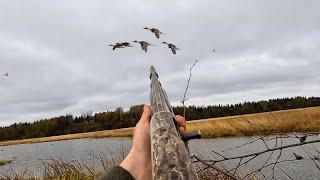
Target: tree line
[(119, 118)]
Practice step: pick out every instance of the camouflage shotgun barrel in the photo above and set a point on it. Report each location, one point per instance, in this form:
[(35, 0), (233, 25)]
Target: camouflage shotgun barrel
[(170, 155)]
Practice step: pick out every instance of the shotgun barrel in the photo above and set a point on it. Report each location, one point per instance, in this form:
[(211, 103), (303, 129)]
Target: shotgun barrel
[(170, 155)]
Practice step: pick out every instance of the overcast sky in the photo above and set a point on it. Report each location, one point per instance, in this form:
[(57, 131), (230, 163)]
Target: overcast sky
[(58, 60)]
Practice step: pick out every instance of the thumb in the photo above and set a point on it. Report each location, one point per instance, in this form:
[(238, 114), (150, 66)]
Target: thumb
[(146, 114)]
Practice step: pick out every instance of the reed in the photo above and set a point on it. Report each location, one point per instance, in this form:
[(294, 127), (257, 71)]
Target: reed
[(62, 169), (80, 170), (17, 174)]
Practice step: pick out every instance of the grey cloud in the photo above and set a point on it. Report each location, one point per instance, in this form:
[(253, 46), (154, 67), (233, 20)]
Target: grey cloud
[(58, 60)]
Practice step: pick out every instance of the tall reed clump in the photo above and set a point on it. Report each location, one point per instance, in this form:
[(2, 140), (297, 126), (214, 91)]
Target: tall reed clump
[(64, 169), (61, 169), (11, 174), (83, 170)]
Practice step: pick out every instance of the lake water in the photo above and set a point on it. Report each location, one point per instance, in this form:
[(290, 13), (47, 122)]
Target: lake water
[(31, 156)]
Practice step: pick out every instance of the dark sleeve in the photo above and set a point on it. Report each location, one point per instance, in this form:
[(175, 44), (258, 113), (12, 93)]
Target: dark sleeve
[(116, 172)]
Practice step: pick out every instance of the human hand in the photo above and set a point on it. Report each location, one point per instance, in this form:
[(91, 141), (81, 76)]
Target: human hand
[(138, 161)]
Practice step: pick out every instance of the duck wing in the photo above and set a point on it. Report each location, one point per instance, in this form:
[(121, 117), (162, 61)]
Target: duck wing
[(157, 33), (144, 46), (297, 156), (117, 46), (126, 44), (173, 49)]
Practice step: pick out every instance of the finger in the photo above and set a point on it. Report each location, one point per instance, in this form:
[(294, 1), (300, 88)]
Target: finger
[(181, 121), (182, 130), (146, 114)]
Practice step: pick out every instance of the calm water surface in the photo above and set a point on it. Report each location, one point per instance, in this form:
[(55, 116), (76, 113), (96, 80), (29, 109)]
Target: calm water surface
[(31, 156)]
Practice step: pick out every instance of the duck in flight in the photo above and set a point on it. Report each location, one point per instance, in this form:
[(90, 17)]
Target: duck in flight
[(172, 47), (155, 31), (126, 44), (120, 45), (117, 45), (144, 45), (6, 74), (297, 156)]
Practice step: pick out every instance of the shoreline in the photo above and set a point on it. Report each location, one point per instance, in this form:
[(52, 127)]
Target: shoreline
[(266, 123)]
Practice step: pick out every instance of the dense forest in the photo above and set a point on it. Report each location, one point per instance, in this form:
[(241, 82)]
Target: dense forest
[(120, 119)]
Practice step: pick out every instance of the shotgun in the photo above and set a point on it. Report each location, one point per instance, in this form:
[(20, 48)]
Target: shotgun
[(170, 154)]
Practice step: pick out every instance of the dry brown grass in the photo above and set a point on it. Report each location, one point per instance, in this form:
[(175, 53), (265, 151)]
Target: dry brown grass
[(62, 170), (295, 120), (80, 170), (124, 132)]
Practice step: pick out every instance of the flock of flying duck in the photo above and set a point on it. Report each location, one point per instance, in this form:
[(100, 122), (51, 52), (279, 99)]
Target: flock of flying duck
[(144, 44)]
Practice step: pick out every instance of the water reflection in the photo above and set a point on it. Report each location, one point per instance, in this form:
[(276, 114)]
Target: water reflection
[(31, 155)]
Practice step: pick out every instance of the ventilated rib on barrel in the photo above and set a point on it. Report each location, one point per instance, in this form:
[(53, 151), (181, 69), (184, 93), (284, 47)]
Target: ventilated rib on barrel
[(170, 156)]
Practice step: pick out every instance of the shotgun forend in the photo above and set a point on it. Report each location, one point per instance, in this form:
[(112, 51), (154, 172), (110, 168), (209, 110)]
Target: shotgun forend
[(170, 155)]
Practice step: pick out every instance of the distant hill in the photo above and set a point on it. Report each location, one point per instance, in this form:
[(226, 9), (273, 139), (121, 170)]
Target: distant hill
[(69, 124)]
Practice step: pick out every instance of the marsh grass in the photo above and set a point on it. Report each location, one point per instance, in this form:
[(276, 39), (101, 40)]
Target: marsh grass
[(61, 169), (124, 132), (17, 175), (297, 120), (285, 121), (64, 169), (81, 170)]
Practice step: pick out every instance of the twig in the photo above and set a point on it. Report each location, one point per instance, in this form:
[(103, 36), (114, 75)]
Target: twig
[(285, 173), (265, 151), (214, 167), (185, 92)]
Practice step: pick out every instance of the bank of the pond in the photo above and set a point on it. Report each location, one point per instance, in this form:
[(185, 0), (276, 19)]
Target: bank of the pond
[(284, 121)]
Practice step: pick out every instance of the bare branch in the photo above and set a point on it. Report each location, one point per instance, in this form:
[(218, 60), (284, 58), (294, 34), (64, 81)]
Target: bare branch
[(265, 151), (186, 90), (214, 167)]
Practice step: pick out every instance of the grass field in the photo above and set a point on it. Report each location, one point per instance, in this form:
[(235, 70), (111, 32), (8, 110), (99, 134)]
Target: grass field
[(296, 120)]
